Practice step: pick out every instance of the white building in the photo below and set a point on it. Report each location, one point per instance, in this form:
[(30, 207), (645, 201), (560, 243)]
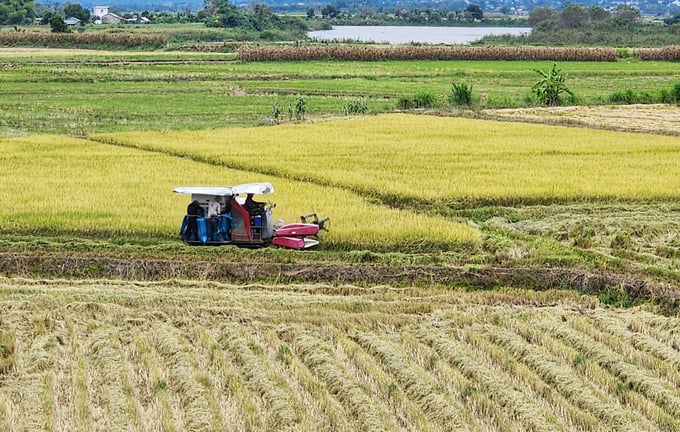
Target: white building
[(100, 11)]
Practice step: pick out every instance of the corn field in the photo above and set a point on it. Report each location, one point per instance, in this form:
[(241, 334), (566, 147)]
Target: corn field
[(668, 53), (423, 52), (183, 356), (120, 40)]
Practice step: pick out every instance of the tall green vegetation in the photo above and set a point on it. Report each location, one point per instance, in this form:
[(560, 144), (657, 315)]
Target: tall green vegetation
[(261, 19), (551, 86), (461, 94), (592, 26), (16, 12)]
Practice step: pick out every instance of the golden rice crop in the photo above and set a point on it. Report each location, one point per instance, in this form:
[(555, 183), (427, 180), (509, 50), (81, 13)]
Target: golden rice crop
[(59, 184), (114, 354), (421, 52), (402, 157)]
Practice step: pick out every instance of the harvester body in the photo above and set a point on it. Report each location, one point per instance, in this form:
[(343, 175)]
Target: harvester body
[(223, 215)]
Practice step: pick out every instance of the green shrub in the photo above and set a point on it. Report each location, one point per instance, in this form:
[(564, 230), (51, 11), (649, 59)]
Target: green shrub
[(425, 99), (461, 94), (671, 96), (629, 96), (422, 99), (276, 113), (355, 107)]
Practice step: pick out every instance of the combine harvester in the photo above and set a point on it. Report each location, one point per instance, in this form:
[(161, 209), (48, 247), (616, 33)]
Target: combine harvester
[(229, 215)]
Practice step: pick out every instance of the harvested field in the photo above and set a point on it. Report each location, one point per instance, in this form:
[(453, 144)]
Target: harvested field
[(104, 355), (657, 118)]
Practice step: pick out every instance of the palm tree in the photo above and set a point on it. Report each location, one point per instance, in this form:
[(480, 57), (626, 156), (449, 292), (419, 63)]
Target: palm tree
[(551, 86)]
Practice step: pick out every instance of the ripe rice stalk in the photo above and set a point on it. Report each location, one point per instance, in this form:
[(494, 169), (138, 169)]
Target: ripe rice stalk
[(511, 401), (568, 415), (153, 390), (561, 377), (642, 349), (114, 407), (406, 160), (239, 408), (82, 415), (312, 407), (664, 330), (333, 412), (320, 358), (25, 405), (655, 388), (414, 381), (5, 417), (281, 413), (182, 380), (404, 410), (139, 203), (476, 409), (648, 416), (621, 388)]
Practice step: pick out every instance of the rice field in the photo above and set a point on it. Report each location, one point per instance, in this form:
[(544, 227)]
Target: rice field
[(451, 161), (179, 356), (60, 185)]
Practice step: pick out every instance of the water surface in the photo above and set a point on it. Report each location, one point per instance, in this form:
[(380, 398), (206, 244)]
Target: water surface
[(408, 34)]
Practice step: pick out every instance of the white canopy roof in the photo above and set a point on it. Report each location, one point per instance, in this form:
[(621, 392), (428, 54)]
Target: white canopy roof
[(253, 188), (248, 188)]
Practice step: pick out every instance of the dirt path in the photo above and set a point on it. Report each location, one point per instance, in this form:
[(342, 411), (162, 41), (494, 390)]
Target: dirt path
[(361, 274), (657, 119)]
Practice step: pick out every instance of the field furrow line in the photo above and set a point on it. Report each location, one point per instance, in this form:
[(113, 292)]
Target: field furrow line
[(559, 375), (152, 383), (642, 349), (406, 413), (113, 406), (335, 418), (320, 358), (211, 383), (193, 408), (82, 411), (246, 355), (31, 403), (665, 329), (509, 399), (628, 374), (561, 353), (65, 334), (240, 409), (476, 410), (640, 408), (520, 376), (414, 381), (317, 409)]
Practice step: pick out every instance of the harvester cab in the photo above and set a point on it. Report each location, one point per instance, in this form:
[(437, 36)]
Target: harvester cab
[(231, 215)]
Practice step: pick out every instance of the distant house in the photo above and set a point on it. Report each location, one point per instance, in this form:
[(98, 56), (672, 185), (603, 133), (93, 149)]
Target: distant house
[(100, 11), (72, 21), (111, 18), (103, 16)]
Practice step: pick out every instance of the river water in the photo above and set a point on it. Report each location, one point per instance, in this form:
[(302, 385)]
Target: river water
[(409, 34)]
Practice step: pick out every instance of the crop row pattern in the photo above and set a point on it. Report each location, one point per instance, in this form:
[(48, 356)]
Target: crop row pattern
[(423, 52)]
